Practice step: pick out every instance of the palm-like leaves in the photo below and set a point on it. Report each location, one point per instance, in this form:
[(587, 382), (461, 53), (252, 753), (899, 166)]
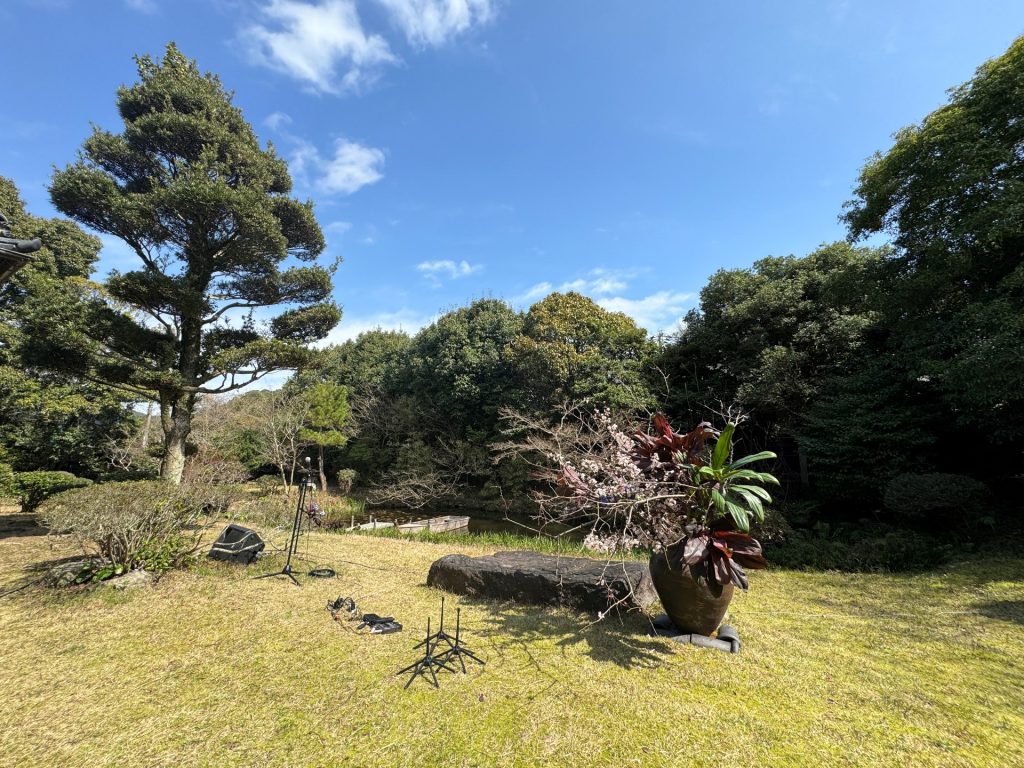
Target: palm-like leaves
[(729, 487)]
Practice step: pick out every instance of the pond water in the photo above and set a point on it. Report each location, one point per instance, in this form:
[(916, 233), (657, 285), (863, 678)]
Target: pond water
[(513, 524)]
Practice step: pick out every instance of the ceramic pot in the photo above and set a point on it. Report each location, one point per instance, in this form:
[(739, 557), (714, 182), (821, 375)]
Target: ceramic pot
[(691, 605)]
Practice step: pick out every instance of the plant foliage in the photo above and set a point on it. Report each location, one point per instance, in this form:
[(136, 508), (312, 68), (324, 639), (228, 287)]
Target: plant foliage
[(33, 488), (146, 524)]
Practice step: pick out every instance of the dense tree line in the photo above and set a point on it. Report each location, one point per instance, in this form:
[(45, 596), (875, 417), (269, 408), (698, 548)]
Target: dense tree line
[(426, 409), (50, 419)]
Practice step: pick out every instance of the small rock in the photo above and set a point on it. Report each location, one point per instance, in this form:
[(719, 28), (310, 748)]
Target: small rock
[(63, 574), (131, 580)]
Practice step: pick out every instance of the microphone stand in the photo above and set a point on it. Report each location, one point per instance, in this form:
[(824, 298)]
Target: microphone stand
[(306, 474)]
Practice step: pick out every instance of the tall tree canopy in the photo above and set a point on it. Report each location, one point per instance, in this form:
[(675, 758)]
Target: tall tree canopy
[(783, 337), (766, 337), (374, 361), (950, 191), (573, 349), (460, 365), (207, 211), (49, 420)]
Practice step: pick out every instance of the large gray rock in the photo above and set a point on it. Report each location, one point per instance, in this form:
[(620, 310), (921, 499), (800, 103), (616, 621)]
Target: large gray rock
[(530, 577)]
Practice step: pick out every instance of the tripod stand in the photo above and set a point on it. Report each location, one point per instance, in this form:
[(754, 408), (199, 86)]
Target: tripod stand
[(306, 481), (434, 657), (457, 649), (438, 637), (429, 662)]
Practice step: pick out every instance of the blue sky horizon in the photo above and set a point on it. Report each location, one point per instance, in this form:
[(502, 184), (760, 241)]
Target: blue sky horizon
[(457, 149)]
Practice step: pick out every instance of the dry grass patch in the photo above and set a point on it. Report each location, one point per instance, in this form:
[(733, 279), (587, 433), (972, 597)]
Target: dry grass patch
[(212, 668)]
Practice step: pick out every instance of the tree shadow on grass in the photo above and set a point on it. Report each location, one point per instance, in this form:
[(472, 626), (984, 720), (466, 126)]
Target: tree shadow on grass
[(622, 639), (1004, 610)]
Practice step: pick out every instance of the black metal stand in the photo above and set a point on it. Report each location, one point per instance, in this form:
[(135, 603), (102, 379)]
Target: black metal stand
[(432, 660), (438, 637), (428, 664), (458, 650), (293, 541)]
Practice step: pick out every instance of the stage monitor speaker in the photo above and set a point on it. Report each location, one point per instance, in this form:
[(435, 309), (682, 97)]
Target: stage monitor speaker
[(237, 545)]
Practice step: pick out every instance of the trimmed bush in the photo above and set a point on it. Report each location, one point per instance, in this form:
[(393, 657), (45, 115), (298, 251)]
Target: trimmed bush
[(346, 478), (268, 485), (147, 524), (33, 488)]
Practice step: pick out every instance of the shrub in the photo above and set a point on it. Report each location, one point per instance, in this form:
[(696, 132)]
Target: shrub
[(208, 468), (33, 488), (268, 485), (338, 513), (939, 498), (271, 511), (346, 478), (7, 487), (147, 524)]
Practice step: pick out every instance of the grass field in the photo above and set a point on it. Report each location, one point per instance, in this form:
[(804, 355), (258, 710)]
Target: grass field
[(211, 668)]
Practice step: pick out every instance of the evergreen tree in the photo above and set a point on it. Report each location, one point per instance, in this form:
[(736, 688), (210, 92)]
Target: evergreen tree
[(950, 191), (207, 211), (48, 419), (326, 418)]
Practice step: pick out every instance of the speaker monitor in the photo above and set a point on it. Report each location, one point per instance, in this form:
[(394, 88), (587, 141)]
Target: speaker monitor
[(237, 545)]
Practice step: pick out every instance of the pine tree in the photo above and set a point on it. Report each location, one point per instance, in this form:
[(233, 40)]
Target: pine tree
[(207, 211)]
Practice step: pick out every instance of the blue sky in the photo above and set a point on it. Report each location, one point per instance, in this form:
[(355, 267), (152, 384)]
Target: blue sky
[(465, 148)]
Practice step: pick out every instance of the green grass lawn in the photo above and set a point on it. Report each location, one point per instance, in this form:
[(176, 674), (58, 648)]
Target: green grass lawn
[(211, 668)]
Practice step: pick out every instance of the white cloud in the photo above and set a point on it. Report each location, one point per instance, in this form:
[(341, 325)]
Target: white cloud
[(599, 282), (277, 120), (659, 312), (407, 320), (274, 380), (142, 6), (322, 44), (435, 22), (353, 166), (434, 271), (531, 294), (341, 227), (594, 286)]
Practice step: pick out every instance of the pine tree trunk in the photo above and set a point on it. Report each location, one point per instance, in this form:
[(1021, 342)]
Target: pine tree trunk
[(145, 429), (323, 477), (177, 426)]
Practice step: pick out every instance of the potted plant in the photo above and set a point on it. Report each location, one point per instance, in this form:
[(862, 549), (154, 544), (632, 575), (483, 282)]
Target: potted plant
[(683, 495), (718, 496)]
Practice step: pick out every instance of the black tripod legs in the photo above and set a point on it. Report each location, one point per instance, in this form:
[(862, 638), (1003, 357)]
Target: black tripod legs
[(432, 660), (287, 571)]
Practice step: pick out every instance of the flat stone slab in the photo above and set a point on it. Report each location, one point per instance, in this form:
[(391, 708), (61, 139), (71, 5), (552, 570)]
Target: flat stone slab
[(531, 577)]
